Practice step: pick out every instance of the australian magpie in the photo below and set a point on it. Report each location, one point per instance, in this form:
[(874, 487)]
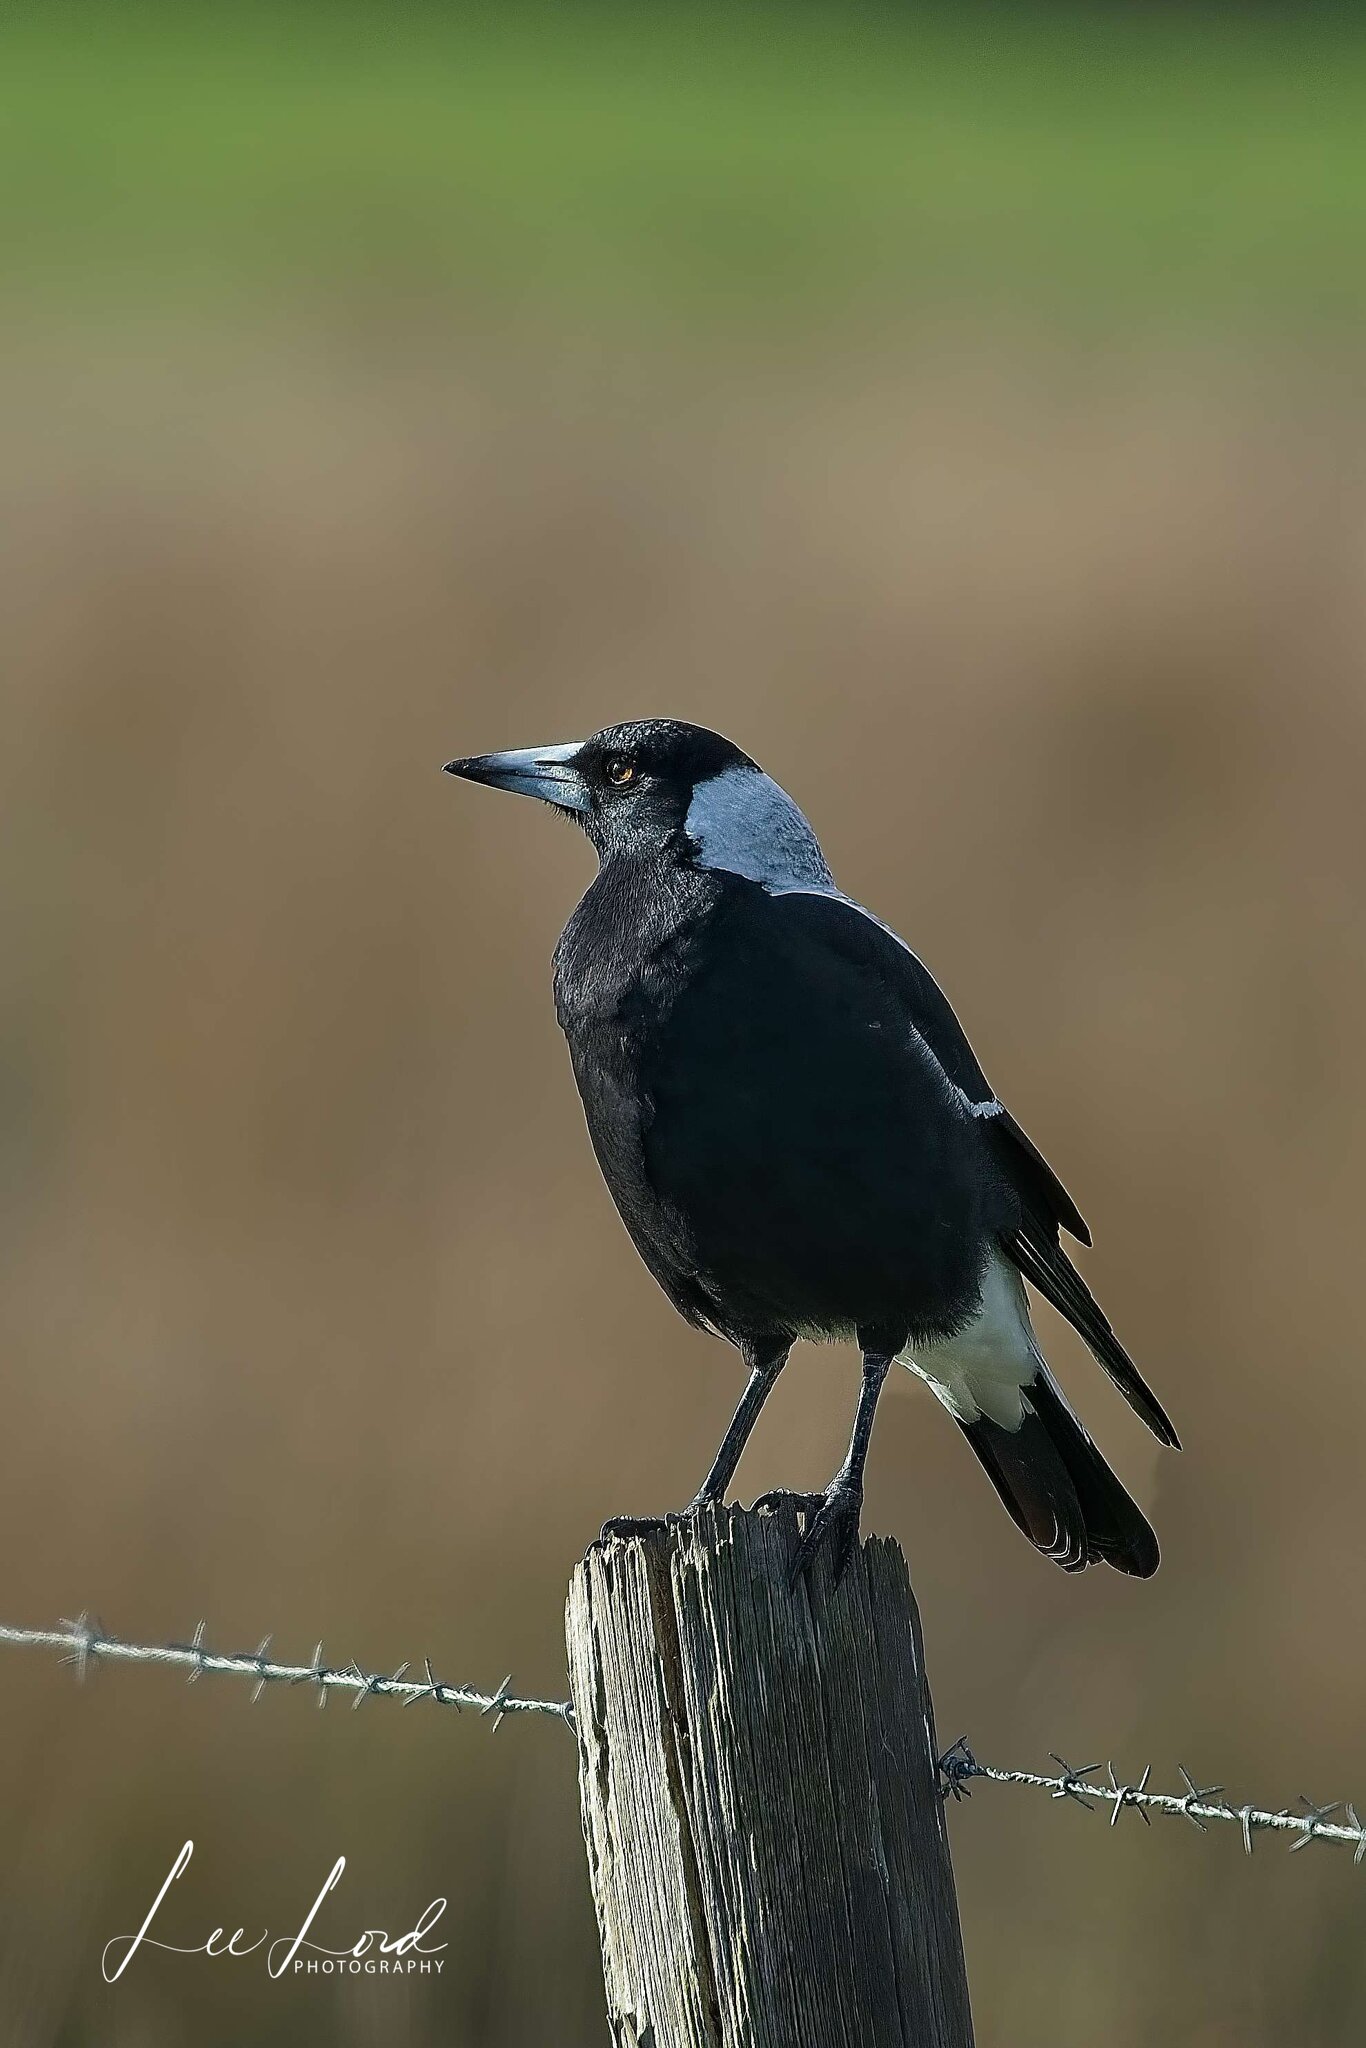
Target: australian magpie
[(800, 1139)]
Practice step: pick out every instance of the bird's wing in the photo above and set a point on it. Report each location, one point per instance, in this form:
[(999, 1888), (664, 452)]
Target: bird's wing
[(867, 942), (875, 947), (1045, 1205), (864, 938)]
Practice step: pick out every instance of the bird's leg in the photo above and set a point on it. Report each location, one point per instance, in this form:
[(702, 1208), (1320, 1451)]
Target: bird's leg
[(765, 1363), (764, 1367), (836, 1520)]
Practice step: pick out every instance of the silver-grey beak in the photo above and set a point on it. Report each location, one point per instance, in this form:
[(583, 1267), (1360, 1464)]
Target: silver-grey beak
[(545, 772)]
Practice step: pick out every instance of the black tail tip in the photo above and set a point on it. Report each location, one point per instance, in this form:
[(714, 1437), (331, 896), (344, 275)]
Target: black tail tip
[(1136, 1553)]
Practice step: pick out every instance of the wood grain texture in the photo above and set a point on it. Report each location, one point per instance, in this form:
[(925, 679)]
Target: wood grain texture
[(766, 1841)]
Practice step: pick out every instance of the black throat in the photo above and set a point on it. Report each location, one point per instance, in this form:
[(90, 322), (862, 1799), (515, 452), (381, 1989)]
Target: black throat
[(627, 951)]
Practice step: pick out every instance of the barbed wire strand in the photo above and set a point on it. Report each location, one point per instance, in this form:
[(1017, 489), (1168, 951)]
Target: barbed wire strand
[(84, 1643), (1199, 1804)]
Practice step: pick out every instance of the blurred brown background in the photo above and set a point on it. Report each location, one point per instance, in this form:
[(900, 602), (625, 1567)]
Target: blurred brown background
[(1045, 600)]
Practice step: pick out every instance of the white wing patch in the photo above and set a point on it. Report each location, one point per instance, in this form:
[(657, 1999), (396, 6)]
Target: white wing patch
[(983, 1369)]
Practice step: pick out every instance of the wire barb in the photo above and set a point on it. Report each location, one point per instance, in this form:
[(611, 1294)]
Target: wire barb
[(1130, 1795), (84, 1642), (1071, 1784), (1194, 1794)]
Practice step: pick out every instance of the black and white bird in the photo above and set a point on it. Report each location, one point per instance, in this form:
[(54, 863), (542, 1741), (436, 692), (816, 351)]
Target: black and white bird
[(800, 1139)]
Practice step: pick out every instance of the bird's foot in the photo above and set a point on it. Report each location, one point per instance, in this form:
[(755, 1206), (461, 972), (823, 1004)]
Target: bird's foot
[(833, 1527), (655, 1525), (808, 1504), (634, 1525)]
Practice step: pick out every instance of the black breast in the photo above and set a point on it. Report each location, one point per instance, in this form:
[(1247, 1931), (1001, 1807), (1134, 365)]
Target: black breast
[(785, 1152), (621, 963)]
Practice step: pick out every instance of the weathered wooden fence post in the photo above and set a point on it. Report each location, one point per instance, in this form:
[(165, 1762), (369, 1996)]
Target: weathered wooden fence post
[(765, 1835)]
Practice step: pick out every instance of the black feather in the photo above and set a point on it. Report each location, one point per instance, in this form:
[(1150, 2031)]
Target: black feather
[(1046, 1265), (1032, 1175), (1059, 1490), (1033, 1484)]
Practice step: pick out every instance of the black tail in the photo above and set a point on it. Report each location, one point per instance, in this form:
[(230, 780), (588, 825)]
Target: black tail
[(1059, 1490)]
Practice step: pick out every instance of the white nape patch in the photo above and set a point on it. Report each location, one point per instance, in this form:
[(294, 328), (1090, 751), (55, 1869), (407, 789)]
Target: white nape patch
[(743, 822), (982, 1370)]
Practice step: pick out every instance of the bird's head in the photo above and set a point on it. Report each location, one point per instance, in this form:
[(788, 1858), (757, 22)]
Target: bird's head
[(660, 786)]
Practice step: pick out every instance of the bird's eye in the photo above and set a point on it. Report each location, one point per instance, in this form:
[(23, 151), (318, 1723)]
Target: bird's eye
[(619, 770)]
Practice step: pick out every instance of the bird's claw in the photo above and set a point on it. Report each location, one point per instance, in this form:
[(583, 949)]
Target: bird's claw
[(657, 1525), (634, 1525), (808, 1504), (833, 1527), (831, 1518)]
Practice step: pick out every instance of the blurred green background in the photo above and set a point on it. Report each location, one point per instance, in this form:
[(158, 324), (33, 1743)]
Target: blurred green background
[(963, 411)]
